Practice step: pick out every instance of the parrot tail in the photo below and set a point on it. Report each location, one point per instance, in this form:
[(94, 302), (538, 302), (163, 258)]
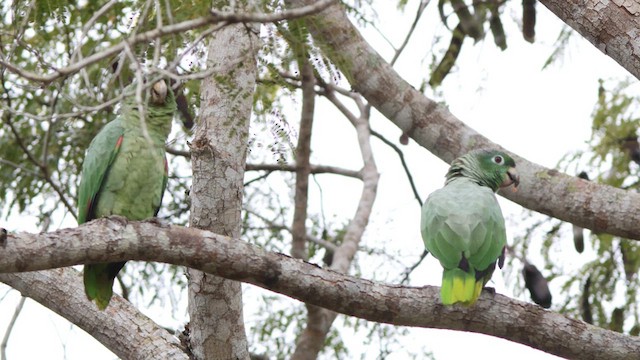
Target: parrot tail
[(98, 282), (460, 286)]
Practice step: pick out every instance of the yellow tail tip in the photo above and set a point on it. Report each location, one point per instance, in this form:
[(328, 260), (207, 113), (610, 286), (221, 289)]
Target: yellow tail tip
[(459, 287)]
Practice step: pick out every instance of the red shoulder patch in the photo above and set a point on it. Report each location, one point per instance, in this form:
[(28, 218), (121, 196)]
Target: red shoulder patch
[(119, 142)]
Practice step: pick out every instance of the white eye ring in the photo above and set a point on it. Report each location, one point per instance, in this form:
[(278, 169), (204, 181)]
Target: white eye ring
[(498, 159)]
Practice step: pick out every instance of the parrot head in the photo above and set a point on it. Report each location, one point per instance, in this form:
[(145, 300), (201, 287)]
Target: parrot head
[(492, 168), (159, 93)]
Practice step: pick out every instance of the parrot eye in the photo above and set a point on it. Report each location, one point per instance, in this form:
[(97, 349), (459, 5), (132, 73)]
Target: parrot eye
[(498, 159)]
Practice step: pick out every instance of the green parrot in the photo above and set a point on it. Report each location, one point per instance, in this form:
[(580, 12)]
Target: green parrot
[(125, 173), (462, 224)]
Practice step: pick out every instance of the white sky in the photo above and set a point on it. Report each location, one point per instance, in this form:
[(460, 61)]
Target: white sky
[(540, 115)]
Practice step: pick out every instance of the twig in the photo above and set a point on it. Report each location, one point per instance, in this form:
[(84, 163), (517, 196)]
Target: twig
[(421, 7), (87, 26), (52, 124), (5, 340), (43, 169), (315, 169), (402, 160), (261, 177), (272, 224), (235, 17), (221, 19), (156, 50), (12, 164), (177, 152), (407, 272)]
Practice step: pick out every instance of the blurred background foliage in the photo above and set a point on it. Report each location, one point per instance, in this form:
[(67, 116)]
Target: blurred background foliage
[(46, 128), (602, 287)]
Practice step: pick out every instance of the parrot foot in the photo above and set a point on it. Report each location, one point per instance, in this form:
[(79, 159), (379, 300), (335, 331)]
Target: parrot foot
[(157, 221), (3, 236), (490, 290), (121, 219)]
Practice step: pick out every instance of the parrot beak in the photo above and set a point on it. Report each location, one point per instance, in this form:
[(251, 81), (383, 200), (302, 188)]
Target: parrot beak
[(159, 92), (512, 178)]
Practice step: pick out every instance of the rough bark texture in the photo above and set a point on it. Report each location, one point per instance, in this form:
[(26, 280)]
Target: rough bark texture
[(109, 240), (597, 207), (120, 328), (611, 26), (218, 158)]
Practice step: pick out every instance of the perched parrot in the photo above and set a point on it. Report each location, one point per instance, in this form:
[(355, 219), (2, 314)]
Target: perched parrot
[(125, 173), (462, 224)]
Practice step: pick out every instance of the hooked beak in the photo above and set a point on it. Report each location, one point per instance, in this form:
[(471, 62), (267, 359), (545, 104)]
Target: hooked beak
[(159, 92), (512, 178)]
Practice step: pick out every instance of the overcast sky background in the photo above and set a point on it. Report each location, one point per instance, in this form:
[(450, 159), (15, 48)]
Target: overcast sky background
[(540, 115)]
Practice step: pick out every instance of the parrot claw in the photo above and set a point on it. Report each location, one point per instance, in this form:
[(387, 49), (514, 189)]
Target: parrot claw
[(157, 221), (3, 236), (121, 219), (490, 290)]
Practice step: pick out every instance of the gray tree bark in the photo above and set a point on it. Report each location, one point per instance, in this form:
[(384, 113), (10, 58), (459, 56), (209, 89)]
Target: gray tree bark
[(109, 240), (121, 328), (218, 154), (611, 26)]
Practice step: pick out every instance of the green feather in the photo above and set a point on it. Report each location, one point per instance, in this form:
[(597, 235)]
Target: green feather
[(125, 173), (462, 224)]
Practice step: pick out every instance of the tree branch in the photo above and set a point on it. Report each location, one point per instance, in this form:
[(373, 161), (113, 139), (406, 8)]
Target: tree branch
[(403, 162), (235, 17), (115, 239), (312, 339), (221, 19), (597, 207), (303, 167), (121, 328), (314, 169), (12, 323), (611, 26)]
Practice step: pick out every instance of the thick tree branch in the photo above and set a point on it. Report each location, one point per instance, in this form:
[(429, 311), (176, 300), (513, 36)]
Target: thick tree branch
[(611, 26), (121, 328), (598, 207), (110, 240)]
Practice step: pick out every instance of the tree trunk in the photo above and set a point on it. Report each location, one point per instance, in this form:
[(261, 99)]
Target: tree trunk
[(218, 159)]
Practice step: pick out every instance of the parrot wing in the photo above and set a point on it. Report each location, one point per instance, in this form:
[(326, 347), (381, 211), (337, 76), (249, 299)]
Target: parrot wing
[(100, 155), (164, 185)]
